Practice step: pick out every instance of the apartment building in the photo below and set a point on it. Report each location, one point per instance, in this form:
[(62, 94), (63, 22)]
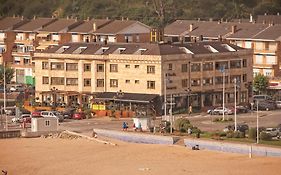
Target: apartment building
[(263, 38), (24, 45), (142, 72), (7, 36)]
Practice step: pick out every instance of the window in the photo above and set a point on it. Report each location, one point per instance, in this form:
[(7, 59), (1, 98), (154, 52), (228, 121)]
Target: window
[(244, 62), (195, 67), (72, 81), (244, 77), (26, 61), (87, 67), (184, 83), (137, 81), (100, 68), (71, 66), (235, 64), (150, 84), (207, 81), (151, 69), (127, 66), (87, 82), (127, 81), (184, 68), (259, 59), (137, 66), (45, 80), (100, 82), (57, 66), (113, 67), (47, 123), (137, 38), (113, 83), (207, 66), (45, 65), (219, 80), (221, 65), (195, 82), (266, 45), (170, 66), (237, 77), (57, 80)]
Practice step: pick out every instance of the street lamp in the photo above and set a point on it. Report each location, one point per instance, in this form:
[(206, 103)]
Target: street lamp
[(257, 121), (120, 94), (53, 92), (222, 70)]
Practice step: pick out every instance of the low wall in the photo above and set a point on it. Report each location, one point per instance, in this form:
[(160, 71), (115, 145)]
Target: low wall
[(10, 134), (233, 147), (28, 134), (136, 138)]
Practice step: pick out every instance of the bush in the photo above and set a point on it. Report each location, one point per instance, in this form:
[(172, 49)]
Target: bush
[(265, 136), (252, 133), (182, 125), (220, 119), (229, 134)]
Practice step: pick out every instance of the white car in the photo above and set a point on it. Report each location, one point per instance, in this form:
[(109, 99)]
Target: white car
[(220, 111), (55, 114), (21, 118), (272, 131)]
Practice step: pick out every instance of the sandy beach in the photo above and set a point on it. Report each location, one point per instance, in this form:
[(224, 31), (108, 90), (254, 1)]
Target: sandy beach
[(40, 156)]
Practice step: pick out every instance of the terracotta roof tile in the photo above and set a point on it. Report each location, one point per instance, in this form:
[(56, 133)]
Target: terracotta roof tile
[(87, 26), (35, 24), (115, 27), (10, 23), (61, 25)]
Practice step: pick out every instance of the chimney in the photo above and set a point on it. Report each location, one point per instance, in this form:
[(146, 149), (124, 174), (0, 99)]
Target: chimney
[(219, 38), (94, 26), (199, 19), (34, 17), (210, 19), (233, 29), (127, 19), (201, 38), (263, 21), (239, 21), (265, 14), (22, 17), (219, 21), (76, 18), (278, 14), (251, 18), (67, 17), (122, 18), (191, 27), (107, 18), (88, 18)]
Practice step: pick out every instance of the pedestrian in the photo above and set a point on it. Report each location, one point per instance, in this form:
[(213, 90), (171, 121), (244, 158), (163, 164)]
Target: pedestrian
[(125, 126)]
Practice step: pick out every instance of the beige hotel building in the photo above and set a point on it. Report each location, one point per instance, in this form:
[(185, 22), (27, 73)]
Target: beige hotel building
[(78, 72)]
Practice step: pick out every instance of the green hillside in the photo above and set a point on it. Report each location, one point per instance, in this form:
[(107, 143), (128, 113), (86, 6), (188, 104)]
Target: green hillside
[(151, 12)]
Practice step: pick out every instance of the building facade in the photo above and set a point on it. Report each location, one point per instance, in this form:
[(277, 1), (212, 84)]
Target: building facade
[(190, 72)]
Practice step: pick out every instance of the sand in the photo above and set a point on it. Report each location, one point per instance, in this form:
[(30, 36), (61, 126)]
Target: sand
[(52, 156)]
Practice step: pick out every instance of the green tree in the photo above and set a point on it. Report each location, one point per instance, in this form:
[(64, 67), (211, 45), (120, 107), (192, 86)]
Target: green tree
[(260, 83), (9, 74)]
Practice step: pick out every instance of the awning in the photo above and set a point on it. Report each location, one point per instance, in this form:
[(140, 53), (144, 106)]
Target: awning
[(126, 97), (43, 34)]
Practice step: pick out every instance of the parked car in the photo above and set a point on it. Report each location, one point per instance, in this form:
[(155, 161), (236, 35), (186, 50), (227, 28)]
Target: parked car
[(22, 118), (79, 115), (272, 131), (265, 105), (278, 104), (55, 114), (240, 127), (220, 111), (242, 109), (68, 113), (36, 113)]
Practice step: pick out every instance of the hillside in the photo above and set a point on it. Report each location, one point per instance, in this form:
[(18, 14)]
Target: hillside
[(151, 12)]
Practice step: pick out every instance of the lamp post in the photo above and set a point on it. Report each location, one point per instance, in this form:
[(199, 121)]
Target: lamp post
[(257, 121), (4, 88), (54, 96), (235, 117), (120, 94), (222, 70), (165, 95)]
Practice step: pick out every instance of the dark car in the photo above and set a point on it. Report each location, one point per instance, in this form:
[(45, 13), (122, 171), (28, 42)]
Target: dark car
[(79, 115), (240, 127), (265, 105), (68, 113), (242, 109)]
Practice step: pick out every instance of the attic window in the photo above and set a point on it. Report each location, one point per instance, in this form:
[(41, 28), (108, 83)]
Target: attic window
[(79, 50), (186, 50), (140, 51), (102, 50), (211, 49), (62, 49), (229, 48), (121, 50)]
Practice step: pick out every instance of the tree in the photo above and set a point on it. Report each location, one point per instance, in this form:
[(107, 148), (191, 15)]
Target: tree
[(9, 74), (260, 83)]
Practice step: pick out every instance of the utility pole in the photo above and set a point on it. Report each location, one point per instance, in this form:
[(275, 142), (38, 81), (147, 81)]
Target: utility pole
[(222, 69), (235, 117), (4, 67), (165, 95)]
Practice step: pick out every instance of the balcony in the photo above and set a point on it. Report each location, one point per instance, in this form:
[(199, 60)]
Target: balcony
[(25, 42)]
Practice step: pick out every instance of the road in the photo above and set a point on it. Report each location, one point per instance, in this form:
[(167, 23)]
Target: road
[(202, 121)]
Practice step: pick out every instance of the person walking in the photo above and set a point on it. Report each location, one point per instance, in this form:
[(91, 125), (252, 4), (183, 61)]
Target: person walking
[(189, 109)]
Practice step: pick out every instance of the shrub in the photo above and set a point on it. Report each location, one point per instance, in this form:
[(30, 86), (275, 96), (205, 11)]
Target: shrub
[(229, 134), (182, 125), (265, 136)]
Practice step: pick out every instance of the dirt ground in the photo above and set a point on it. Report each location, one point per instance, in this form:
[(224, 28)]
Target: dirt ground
[(79, 156)]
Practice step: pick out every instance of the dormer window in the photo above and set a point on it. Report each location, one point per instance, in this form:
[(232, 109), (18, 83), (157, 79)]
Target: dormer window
[(102, 50), (140, 51), (211, 49), (79, 50), (121, 50), (62, 49), (228, 47)]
